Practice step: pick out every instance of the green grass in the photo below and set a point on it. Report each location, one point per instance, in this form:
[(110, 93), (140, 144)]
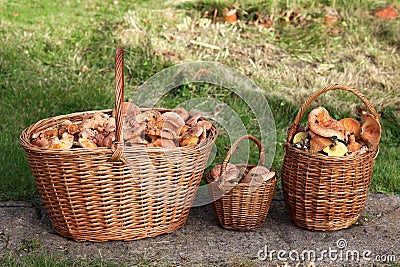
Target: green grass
[(57, 58), (40, 259)]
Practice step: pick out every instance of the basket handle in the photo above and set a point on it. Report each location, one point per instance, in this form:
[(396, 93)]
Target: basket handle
[(117, 148), (261, 151), (295, 125)]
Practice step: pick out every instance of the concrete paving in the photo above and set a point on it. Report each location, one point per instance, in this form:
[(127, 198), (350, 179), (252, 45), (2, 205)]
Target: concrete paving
[(373, 241)]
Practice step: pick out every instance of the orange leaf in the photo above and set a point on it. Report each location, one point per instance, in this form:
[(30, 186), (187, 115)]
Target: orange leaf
[(330, 20), (387, 13), (231, 16)]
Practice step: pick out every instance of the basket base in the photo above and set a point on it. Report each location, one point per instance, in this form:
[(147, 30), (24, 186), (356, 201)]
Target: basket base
[(325, 226), (119, 234)]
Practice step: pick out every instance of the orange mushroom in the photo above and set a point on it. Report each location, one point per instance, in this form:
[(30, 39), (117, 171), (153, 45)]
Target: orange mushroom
[(171, 120), (182, 112), (370, 130), (65, 143), (189, 140), (351, 126), (352, 145), (318, 143), (86, 143), (231, 174), (257, 175), (193, 119), (321, 123)]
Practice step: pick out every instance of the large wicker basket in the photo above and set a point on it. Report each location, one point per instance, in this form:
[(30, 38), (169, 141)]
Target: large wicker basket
[(323, 192), (243, 208), (123, 193)]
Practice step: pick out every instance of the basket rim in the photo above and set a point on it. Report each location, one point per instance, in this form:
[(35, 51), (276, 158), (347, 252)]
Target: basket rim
[(320, 156), (28, 131), (244, 185)]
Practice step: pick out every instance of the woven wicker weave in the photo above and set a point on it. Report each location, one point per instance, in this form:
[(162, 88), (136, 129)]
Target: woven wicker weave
[(242, 208), (323, 192), (123, 193)]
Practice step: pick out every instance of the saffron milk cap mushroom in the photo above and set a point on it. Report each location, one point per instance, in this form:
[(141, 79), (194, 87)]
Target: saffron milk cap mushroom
[(182, 112), (171, 120), (352, 144), (257, 175), (231, 174), (370, 130), (351, 126), (318, 143), (321, 123)]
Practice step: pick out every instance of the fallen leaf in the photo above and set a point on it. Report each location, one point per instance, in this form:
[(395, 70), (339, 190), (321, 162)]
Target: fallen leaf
[(165, 53), (387, 13), (231, 16), (329, 20)]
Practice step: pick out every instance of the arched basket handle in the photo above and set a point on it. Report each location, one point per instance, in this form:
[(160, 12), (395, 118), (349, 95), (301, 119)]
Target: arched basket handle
[(117, 148), (293, 128), (261, 151)]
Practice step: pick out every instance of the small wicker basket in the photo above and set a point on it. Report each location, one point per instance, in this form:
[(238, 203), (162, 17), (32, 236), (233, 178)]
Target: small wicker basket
[(322, 192), (243, 208), (122, 193)]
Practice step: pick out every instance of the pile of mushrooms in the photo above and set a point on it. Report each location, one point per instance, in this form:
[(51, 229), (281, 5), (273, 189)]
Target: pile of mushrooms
[(151, 128), (94, 130), (235, 174), (331, 137)]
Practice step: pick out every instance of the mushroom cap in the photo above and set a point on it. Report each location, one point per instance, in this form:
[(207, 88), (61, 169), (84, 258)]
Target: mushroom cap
[(195, 130), (370, 130), (97, 121), (205, 124), (129, 110), (183, 130), (73, 128), (44, 143), (171, 120), (111, 125), (300, 136), (148, 116), (193, 119), (318, 143), (182, 112), (337, 150), (257, 175), (321, 123), (49, 134), (155, 133), (88, 133), (352, 145), (86, 143), (133, 132), (351, 126), (231, 173), (189, 140), (64, 143)]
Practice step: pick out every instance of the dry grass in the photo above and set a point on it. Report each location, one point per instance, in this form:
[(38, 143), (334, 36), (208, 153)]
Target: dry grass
[(271, 58)]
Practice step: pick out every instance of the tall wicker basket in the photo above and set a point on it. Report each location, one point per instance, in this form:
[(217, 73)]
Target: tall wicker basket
[(123, 193), (322, 192), (242, 208)]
